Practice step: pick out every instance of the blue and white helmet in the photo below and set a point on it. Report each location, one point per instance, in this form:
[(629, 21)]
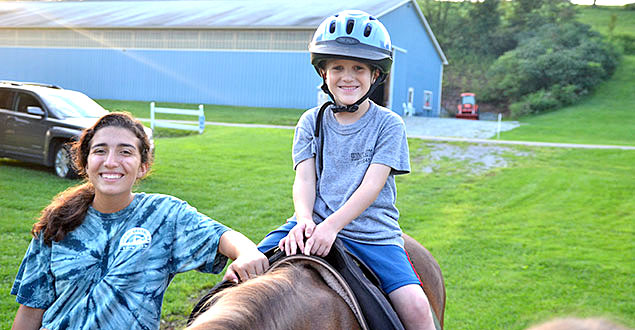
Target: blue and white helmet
[(352, 34)]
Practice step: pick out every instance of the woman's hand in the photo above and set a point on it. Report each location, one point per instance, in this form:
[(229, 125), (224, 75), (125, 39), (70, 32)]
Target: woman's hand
[(248, 261), (247, 266), (294, 241)]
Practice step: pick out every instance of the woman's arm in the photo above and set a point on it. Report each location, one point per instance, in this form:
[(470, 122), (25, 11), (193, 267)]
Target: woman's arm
[(248, 263), (27, 318)]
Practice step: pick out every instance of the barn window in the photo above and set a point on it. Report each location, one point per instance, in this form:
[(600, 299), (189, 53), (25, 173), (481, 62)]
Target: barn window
[(427, 100)]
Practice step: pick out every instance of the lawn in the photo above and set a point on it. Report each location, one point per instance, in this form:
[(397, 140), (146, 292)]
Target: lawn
[(600, 17), (546, 232), (217, 113), (549, 234)]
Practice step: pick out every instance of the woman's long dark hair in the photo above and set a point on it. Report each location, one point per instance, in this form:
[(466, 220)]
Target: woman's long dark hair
[(68, 209)]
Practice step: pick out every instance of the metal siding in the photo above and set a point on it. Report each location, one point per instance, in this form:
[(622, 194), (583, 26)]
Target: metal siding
[(180, 14), (261, 79), (227, 77), (420, 66)]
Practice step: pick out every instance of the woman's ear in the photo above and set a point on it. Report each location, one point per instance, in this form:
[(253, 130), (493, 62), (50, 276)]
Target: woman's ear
[(143, 169)]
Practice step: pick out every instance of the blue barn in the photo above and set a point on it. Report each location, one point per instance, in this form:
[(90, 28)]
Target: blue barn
[(227, 52)]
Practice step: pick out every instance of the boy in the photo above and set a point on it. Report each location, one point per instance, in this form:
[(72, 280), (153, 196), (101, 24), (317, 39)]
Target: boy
[(345, 161)]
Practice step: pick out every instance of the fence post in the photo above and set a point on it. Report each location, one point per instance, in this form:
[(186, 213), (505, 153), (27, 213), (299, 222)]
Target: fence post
[(201, 119), (152, 116), (498, 129)]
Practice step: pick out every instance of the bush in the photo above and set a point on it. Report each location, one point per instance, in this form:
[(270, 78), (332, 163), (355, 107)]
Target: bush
[(534, 103), (626, 42), (551, 68), (566, 95)]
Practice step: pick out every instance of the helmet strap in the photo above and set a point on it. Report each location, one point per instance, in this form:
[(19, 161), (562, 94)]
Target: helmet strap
[(353, 107)]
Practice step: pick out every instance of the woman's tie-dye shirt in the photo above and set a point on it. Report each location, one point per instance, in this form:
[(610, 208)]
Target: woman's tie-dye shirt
[(112, 271)]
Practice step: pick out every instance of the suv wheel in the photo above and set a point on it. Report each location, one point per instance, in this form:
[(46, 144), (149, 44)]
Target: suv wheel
[(63, 164)]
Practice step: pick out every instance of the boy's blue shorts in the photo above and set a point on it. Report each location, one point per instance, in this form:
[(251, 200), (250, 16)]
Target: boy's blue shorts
[(390, 263)]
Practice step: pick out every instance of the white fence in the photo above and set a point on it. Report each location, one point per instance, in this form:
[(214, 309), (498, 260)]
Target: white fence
[(172, 124)]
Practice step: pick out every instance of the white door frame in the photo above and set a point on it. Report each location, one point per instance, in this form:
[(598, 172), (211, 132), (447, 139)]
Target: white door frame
[(395, 49)]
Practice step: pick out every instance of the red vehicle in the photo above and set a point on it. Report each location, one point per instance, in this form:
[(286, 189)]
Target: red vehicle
[(468, 109)]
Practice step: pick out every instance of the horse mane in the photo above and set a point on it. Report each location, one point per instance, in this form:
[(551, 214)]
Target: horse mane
[(256, 304)]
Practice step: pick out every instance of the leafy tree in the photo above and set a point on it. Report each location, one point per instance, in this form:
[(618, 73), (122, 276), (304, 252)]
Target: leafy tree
[(551, 68), (530, 55)]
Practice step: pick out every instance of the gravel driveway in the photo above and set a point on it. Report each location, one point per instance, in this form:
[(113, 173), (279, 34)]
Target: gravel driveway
[(451, 127)]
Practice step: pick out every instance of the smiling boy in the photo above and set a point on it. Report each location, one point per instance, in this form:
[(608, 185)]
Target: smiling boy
[(346, 155)]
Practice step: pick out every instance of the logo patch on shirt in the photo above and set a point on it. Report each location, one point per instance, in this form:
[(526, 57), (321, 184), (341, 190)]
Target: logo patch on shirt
[(135, 238), (362, 157)]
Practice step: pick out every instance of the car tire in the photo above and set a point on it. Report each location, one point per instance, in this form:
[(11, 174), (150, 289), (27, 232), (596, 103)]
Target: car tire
[(63, 162)]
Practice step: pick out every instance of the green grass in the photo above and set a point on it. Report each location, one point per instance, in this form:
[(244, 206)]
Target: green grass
[(600, 17), (606, 116), (550, 235), (217, 113)]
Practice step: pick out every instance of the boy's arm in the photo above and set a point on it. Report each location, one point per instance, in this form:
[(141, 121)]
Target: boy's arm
[(324, 234), (304, 190), (303, 201)]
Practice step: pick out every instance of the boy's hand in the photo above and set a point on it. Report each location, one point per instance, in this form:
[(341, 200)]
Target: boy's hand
[(321, 240), (295, 239), (247, 266)]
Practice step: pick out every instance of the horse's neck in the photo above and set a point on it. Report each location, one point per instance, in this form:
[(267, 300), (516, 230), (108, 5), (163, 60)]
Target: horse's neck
[(288, 298)]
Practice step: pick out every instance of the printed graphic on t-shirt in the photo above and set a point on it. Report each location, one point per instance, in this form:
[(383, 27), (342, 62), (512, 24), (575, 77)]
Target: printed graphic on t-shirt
[(135, 238), (362, 157)]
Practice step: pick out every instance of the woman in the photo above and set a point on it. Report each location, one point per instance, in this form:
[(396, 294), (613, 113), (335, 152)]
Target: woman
[(103, 256)]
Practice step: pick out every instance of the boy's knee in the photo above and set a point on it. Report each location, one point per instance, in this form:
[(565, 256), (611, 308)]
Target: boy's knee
[(418, 308), (412, 305)]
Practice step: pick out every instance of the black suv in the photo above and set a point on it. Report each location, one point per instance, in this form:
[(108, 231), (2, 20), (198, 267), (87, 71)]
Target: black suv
[(36, 121)]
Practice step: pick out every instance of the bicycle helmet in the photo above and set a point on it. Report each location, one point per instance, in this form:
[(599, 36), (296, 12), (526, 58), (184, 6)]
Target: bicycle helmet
[(356, 35)]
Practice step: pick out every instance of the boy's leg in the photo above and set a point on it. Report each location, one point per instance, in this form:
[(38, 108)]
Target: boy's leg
[(273, 238), (399, 280), (412, 306)]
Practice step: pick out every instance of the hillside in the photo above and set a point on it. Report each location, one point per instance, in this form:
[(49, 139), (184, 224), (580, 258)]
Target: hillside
[(467, 70)]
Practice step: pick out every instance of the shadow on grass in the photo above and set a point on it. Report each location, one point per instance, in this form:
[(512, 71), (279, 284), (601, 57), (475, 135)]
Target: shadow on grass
[(24, 165), (172, 133)]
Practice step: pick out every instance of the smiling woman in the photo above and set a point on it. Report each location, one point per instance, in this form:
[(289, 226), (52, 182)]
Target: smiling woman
[(103, 256)]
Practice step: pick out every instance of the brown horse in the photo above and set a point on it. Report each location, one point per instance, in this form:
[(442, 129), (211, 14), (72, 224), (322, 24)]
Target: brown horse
[(295, 296)]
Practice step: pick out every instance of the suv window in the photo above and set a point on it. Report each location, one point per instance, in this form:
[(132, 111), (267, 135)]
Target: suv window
[(67, 103), (27, 100), (6, 99)]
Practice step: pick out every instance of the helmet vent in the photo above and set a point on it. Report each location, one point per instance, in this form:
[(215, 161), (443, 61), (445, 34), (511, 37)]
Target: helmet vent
[(349, 26), (332, 27), (367, 30)]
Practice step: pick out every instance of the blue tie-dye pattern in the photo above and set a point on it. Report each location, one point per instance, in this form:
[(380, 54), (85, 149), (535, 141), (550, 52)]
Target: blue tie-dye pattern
[(86, 281)]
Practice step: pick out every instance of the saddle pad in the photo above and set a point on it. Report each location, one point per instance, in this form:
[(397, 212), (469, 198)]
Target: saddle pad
[(331, 277)]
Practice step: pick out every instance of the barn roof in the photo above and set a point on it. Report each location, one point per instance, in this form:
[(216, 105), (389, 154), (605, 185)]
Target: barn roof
[(189, 14), (181, 14)]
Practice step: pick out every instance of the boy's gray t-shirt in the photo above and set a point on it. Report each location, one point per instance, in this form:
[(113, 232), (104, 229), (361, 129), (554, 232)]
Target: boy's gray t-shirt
[(378, 137)]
